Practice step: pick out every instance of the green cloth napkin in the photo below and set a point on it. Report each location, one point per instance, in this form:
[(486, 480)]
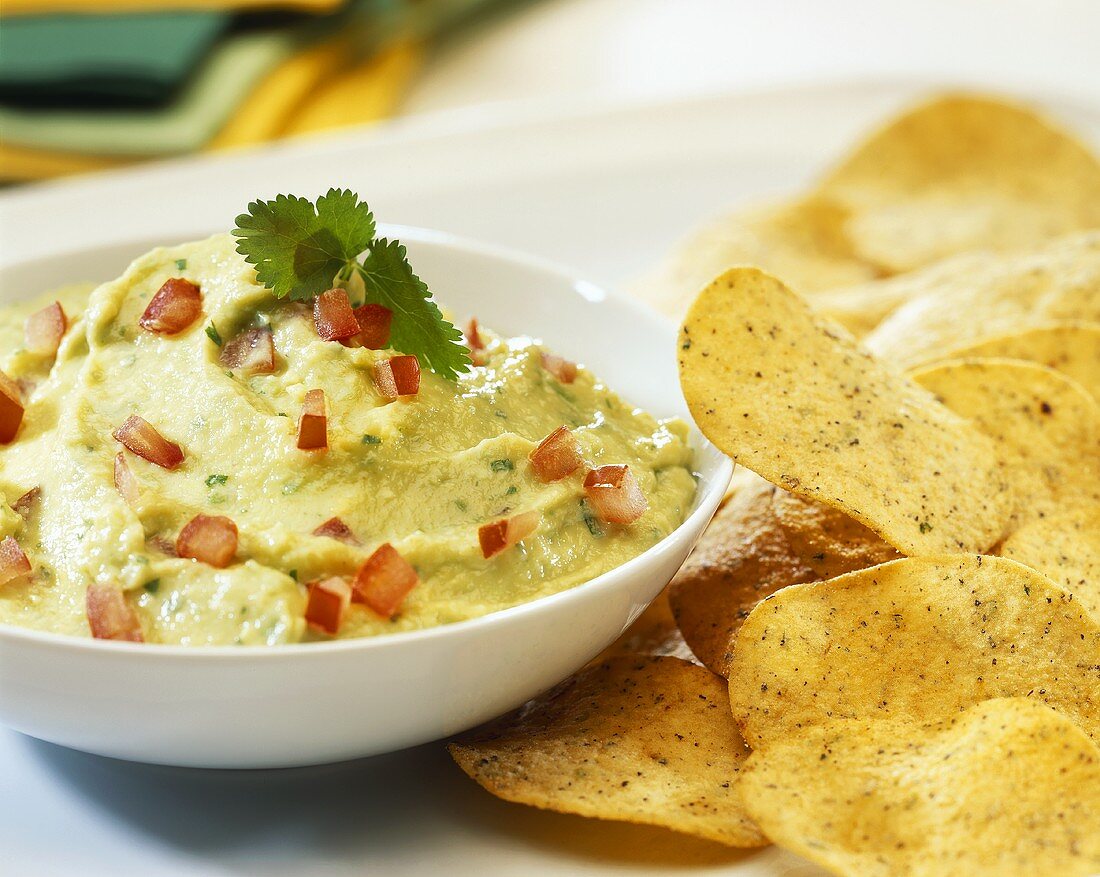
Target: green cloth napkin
[(74, 60), (229, 72)]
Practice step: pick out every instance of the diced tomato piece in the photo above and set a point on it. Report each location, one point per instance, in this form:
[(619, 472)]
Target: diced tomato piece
[(397, 376), (556, 456), (13, 562), (210, 539), (252, 351), (615, 494), (333, 316), (110, 616), (374, 326), (141, 438), (313, 424), (384, 580), (564, 370), (26, 503), (328, 600), (44, 329), (174, 307), (336, 529), (475, 342), (11, 408), (505, 533), (125, 482)]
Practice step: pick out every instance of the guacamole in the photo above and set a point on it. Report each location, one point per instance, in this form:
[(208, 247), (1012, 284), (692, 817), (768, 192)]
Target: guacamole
[(422, 473)]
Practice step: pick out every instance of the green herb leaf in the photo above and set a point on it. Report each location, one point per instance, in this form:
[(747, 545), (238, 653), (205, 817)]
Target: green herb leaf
[(213, 334), (369, 439), (152, 586), (504, 465), (181, 264), (298, 248), (418, 326), (211, 480)]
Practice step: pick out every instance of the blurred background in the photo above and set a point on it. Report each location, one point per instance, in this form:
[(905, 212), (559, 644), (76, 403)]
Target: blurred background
[(93, 84)]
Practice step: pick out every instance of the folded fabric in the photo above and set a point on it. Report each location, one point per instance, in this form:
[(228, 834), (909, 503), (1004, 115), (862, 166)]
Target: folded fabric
[(95, 7), (229, 73), (78, 60), (305, 94)]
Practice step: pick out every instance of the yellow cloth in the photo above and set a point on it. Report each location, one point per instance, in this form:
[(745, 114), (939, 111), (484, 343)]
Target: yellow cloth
[(49, 7), (315, 90)]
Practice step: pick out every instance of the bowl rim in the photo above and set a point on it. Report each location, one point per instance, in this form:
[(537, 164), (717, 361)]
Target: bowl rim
[(708, 496)]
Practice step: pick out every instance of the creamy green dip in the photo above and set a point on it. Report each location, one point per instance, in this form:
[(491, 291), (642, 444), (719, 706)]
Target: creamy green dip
[(422, 473)]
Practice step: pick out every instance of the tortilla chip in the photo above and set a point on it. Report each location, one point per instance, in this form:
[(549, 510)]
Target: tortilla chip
[(764, 539), (972, 299), (860, 308), (654, 632), (963, 173), (827, 541), (916, 639), (800, 241), (741, 559), (794, 398), (1046, 427), (644, 739), (1066, 548), (1008, 786), (1071, 348)]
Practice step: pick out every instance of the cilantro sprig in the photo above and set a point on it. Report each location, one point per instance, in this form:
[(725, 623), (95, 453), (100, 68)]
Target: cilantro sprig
[(300, 249)]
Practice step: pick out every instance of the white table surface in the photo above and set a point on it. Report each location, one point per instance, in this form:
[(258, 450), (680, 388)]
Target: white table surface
[(645, 49)]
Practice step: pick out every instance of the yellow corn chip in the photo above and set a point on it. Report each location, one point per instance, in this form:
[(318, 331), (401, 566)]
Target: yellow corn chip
[(963, 173), (1066, 548), (916, 639), (637, 739), (1007, 787), (800, 241), (1046, 427), (741, 559), (794, 398), (1071, 348), (972, 299)]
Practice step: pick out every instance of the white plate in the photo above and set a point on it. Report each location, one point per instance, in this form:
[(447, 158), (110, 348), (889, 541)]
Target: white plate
[(286, 706), (606, 191)]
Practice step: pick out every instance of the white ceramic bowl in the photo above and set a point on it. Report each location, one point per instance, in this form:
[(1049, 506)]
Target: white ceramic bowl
[(322, 702)]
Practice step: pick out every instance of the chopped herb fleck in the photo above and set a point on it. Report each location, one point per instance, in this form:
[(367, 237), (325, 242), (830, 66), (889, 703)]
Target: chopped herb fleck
[(213, 334), (590, 520), (500, 414), (511, 490), (293, 574), (925, 527), (461, 503), (211, 480), (502, 465), (369, 439), (152, 586), (181, 264)]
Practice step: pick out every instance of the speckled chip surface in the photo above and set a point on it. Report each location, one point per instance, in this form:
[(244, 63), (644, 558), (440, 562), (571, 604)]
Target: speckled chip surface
[(1008, 786), (638, 739), (794, 398), (915, 639)]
